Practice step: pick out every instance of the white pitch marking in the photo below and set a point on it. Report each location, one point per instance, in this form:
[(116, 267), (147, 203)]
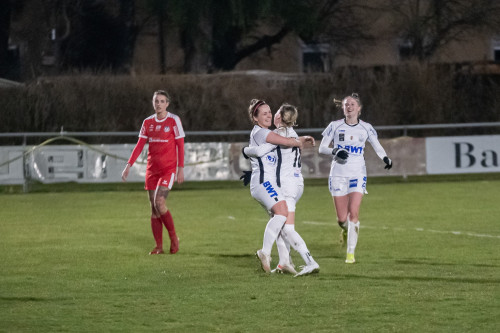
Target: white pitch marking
[(458, 233), (231, 217)]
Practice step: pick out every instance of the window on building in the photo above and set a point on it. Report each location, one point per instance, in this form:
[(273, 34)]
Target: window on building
[(316, 58), (496, 49), (405, 48)]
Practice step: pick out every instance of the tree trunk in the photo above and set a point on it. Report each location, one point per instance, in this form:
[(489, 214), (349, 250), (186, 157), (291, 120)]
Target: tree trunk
[(196, 47), (127, 17), (227, 56), (161, 44), (5, 13)]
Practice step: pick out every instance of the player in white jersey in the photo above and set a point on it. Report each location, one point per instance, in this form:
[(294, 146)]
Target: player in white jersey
[(263, 186), (289, 178), (345, 140)]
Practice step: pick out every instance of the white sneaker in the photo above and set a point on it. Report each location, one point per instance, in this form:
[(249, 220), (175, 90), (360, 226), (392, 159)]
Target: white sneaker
[(309, 269), (265, 261), (284, 269)]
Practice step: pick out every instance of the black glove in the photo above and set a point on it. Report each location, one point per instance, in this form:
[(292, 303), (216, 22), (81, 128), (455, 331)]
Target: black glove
[(388, 163), (247, 175), (244, 155), (340, 155)]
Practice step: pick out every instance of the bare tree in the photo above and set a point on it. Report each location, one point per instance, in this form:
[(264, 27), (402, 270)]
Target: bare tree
[(428, 25), (222, 33)]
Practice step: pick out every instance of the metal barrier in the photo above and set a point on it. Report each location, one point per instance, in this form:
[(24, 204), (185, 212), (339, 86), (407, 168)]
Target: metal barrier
[(403, 128), (83, 162)]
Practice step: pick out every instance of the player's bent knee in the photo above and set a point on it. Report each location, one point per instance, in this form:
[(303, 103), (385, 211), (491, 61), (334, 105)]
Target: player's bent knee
[(280, 209)]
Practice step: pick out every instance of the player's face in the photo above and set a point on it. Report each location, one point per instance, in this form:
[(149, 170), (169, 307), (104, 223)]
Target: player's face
[(264, 117), (277, 119), (160, 103), (351, 108)]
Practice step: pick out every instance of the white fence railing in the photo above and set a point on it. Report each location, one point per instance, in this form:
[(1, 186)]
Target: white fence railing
[(83, 162)]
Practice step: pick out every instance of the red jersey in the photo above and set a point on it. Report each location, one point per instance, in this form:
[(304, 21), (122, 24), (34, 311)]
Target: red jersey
[(161, 134)]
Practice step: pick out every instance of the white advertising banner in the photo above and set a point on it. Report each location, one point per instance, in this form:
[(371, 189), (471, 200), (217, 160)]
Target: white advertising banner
[(463, 154)]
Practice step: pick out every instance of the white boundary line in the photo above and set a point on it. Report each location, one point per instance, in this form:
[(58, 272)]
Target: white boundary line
[(458, 233)]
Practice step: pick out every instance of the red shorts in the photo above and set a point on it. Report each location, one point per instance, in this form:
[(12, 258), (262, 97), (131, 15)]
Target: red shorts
[(164, 178)]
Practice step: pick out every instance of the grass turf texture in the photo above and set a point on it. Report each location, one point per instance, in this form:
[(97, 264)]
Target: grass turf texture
[(427, 261)]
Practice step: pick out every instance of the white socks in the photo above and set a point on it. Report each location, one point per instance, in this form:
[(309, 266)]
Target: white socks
[(272, 231), (352, 236), (297, 243), (283, 249)]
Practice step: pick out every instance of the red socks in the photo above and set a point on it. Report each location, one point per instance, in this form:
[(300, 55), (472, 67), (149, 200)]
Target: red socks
[(168, 221), (157, 229)]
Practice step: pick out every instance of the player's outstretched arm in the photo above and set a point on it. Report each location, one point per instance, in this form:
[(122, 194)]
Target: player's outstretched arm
[(125, 172), (180, 175), (279, 140), (258, 151), (324, 146), (133, 157), (307, 140), (180, 160)]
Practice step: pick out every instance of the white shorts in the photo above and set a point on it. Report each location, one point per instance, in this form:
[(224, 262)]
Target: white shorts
[(340, 186), (292, 192), (267, 194)]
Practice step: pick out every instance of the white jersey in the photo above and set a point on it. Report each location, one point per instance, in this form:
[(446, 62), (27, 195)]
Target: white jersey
[(263, 185), (353, 139), (264, 167), (289, 158)]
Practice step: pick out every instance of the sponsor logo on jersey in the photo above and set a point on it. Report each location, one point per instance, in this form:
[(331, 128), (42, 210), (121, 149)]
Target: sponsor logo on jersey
[(341, 136), (151, 127), (270, 189), (166, 129), (271, 159), (352, 149), (353, 183), (158, 127), (157, 140)]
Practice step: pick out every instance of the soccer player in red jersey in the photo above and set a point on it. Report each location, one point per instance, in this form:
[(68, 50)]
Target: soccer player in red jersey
[(164, 133)]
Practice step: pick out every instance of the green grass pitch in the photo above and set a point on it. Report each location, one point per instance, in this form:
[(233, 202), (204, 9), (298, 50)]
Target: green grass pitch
[(428, 260)]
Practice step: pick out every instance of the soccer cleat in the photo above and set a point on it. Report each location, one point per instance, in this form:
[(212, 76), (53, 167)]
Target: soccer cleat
[(284, 269), (309, 269), (174, 245), (265, 261), (350, 258), (157, 250), (343, 237)]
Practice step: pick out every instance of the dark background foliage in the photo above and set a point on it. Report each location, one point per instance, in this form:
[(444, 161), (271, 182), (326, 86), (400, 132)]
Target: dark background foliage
[(418, 94)]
